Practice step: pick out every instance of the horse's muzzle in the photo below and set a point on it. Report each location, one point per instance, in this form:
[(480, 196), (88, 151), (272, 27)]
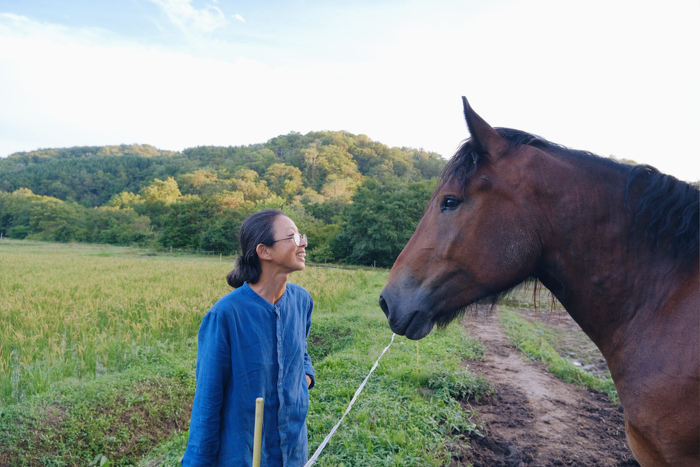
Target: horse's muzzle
[(404, 319)]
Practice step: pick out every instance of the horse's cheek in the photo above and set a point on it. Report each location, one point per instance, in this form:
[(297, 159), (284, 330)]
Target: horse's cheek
[(515, 251)]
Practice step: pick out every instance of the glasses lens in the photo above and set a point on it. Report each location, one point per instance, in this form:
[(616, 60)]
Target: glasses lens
[(299, 240)]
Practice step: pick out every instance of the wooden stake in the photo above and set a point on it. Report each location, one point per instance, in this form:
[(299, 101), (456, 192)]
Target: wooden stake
[(257, 437)]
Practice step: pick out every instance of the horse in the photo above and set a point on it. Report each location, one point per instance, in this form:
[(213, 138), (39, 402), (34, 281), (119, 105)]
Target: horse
[(616, 244)]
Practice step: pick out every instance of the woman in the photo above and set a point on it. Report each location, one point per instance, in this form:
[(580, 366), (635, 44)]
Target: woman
[(252, 343)]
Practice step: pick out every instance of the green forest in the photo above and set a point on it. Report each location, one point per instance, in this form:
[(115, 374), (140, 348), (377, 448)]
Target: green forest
[(357, 200)]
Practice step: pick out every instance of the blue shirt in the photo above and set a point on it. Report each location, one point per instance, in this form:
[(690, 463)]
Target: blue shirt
[(249, 348)]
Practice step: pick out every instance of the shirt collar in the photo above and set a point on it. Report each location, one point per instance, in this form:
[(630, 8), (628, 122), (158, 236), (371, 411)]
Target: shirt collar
[(252, 293)]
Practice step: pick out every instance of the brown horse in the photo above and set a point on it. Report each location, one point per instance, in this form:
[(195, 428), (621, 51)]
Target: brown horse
[(616, 244)]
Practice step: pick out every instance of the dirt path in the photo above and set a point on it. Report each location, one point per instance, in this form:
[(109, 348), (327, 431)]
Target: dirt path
[(537, 419)]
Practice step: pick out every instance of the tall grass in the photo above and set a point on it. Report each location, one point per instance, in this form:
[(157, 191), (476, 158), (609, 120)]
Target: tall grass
[(70, 315), (83, 312)]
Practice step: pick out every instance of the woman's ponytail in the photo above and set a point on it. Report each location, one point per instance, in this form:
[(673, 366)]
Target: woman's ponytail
[(256, 229)]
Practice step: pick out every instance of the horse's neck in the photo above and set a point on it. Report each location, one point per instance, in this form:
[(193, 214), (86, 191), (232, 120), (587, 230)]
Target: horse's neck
[(589, 264)]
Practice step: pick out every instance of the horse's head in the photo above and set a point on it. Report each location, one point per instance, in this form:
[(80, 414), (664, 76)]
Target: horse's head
[(478, 236)]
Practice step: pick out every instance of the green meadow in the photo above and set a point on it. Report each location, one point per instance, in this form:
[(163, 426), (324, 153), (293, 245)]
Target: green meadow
[(97, 352)]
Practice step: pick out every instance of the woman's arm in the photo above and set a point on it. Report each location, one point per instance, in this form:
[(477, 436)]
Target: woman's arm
[(308, 367), (213, 372)]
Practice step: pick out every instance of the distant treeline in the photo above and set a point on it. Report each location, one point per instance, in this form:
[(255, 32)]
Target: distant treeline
[(358, 200)]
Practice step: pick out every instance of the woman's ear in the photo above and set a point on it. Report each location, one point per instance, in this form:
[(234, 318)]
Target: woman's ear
[(263, 252)]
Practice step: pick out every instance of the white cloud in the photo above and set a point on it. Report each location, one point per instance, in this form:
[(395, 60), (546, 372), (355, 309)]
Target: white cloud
[(239, 17), (186, 17)]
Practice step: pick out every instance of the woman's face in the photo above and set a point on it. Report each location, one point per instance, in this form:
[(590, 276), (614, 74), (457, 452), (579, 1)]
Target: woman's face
[(285, 253)]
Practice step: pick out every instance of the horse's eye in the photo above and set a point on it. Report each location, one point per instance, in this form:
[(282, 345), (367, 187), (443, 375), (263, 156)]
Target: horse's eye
[(449, 203)]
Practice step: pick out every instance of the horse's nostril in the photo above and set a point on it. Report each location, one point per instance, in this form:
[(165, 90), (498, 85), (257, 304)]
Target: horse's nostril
[(384, 306)]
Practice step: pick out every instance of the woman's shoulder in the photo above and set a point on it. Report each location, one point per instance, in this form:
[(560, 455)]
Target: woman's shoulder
[(298, 292), (240, 299)]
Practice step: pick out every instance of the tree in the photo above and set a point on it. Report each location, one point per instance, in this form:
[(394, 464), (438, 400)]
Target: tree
[(260, 160), (381, 220), (333, 160), (247, 182), (284, 180), (166, 192), (328, 210), (339, 188), (23, 214), (183, 223), (429, 164), (310, 163), (197, 180), (229, 200), (220, 232), (124, 199)]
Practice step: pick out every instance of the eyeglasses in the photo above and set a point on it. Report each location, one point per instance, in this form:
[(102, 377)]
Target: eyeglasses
[(298, 239)]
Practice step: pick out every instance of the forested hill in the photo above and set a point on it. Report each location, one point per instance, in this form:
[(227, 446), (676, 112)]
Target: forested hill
[(91, 176), (88, 175), (195, 199)]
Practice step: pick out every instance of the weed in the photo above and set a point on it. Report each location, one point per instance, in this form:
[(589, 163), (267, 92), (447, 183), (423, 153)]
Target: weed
[(461, 384)]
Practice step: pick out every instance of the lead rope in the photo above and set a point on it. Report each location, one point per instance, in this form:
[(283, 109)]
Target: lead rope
[(354, 398)]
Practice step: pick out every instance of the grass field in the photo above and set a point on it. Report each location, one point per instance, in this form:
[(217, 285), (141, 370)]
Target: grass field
[(75, 311), (97, 350)]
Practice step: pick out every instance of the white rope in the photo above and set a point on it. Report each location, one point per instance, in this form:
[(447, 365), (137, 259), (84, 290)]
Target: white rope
[(357, 393)]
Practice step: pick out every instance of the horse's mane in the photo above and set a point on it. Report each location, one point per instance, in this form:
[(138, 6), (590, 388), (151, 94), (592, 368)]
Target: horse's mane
[(666, 211)]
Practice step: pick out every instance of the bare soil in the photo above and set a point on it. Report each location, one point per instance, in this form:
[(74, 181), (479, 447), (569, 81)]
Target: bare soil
[(535, 418)]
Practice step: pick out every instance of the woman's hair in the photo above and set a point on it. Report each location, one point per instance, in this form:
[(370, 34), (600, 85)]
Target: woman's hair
[(256, 229)]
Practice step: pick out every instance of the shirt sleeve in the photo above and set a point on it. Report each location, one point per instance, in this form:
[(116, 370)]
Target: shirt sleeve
[(213, 372), (308, 368)]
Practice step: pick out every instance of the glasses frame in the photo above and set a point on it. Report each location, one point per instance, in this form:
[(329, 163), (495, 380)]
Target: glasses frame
[(298, 239)]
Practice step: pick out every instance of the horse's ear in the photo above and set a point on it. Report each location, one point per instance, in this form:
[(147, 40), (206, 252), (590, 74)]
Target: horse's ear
[(489, 142)]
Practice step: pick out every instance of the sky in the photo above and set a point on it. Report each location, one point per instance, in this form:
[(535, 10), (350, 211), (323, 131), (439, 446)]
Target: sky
[(611, 77)]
